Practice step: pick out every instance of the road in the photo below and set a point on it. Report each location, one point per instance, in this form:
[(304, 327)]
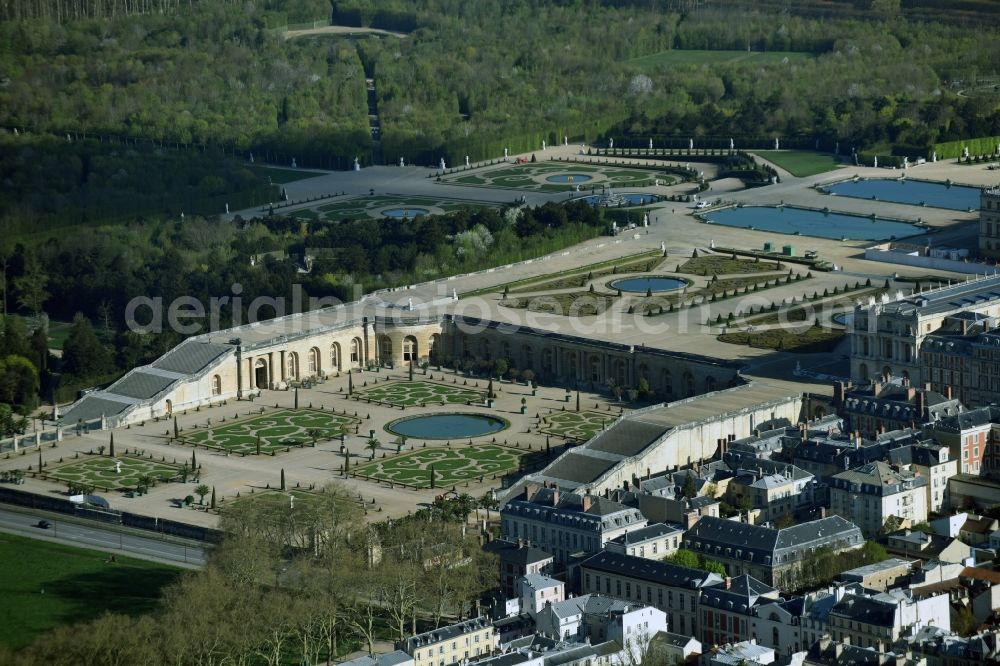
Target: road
[(110, 538)]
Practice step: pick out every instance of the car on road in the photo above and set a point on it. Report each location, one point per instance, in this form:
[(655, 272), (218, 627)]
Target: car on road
[(702, 204), (43, 524)]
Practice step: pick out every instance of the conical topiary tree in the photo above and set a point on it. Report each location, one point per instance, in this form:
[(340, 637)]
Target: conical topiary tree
[(111, 446)]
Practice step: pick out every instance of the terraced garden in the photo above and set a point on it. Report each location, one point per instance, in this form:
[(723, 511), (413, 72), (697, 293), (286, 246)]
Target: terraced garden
[(565, 177), (449, 465), (272, 433), (420, 393), (100, 472), (374, 206)]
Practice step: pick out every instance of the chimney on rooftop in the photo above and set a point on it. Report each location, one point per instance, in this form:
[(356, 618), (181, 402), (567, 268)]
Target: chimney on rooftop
[(920, 405), (839, 392), (948, 392), (530, 488), (588, 501), (555, 494), (729, 582)]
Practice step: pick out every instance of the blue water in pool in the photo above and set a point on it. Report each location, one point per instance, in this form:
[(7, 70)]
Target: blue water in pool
[(404, 212), (447, 426), (917, 192), (569, 178), (801, 221), (640, 285)]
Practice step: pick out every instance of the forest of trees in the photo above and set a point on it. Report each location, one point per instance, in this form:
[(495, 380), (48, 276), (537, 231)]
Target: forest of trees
[(471, 78)]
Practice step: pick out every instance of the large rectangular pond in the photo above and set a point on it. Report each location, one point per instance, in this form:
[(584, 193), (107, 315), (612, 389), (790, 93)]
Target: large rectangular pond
[(802, 221), (916, 192)]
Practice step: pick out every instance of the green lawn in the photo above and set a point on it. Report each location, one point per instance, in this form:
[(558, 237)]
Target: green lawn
[(719, 264), (44, 585), (281, 176), (580, 426), (100, 471), (451, 465), (799, 162), (58, 332), (571, 304), (675, 57), (276, 431), (419, 393), (811, 340)]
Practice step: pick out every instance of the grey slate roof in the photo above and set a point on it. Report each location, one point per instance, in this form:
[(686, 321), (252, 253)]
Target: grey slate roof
[(627, 437), (765, 545), (878, 478), (141, 384), (955, 297), (525, 555), (653, 531), (591, 604), (446, 633), (603, 514), (866, 610), (92, 407), (190, 356), (741, 595), (577, 467), (652, 571), (969, 419), (899, 403), (538, 581)]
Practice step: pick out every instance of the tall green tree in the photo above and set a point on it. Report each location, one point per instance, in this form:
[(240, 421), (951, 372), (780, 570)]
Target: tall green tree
[(84, 355), (31, 285)]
